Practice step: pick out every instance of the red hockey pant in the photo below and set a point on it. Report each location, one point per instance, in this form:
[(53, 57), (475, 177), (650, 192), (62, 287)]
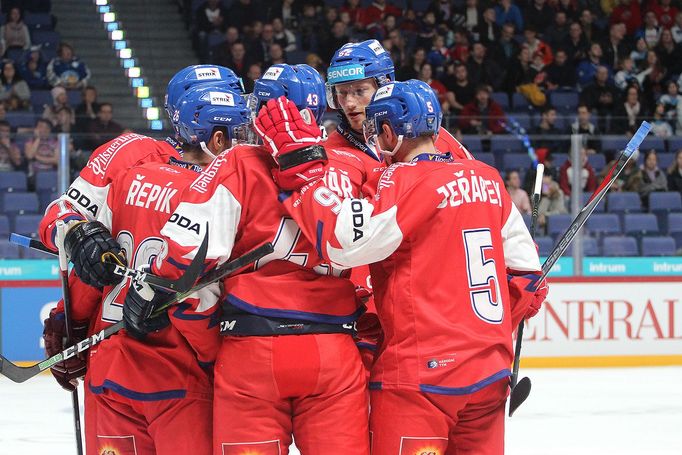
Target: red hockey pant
[(311, 386), (406, 422), (174, 426)]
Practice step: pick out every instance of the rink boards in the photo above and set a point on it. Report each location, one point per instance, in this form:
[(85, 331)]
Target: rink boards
[(589, 321)]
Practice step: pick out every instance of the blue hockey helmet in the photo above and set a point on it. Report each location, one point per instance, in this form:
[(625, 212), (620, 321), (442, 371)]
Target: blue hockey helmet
[(207, 106), (301, 84), (357, 61), (411, 108), (192, 75)]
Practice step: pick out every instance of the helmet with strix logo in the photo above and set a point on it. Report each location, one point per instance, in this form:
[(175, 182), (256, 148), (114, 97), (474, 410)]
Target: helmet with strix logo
[(192, 75), (301, 84), (411, 108), (357, 61), (207, 106)]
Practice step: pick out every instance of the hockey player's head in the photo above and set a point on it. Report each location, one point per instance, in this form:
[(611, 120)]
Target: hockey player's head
[(355, 72), (213, 118), (301, 84), (194, 75), (402, 111)]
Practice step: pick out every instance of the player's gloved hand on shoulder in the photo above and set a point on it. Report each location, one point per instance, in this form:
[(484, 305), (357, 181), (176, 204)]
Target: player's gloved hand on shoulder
[(293, 138), (527, 293), (54, 334), (88, 244), (140, 302)]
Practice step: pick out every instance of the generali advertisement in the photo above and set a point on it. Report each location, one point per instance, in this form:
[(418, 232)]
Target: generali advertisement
[(607, 322)]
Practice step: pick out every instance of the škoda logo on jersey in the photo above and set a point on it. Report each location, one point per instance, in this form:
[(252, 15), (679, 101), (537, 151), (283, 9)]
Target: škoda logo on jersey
[(204, 74), (200, 184)]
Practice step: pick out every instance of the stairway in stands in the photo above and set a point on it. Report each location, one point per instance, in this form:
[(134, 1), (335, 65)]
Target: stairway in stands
[(160, 42), (79, 25), (154, 30)]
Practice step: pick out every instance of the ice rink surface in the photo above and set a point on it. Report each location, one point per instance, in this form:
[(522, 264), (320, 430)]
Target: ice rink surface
[(623, 411)]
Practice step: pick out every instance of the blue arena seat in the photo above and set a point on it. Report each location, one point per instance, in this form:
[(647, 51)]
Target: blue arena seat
[(47, 38), (557, 224), (625, 202), (590, 247), (4, 226), (501, 98), (600, 208), (13, 181), (19, 203), (597, 161), (8, 250), (545, 245), (520, 103), (613, 142), (39, 98), (658, 246), (27, 224), (662, 203), (486, 158), (674, 227), (506, 144), (518, 161), (19, 119), (664, 160), (564, 102), (603, 224), (559, 159), (472, 143), (46, 181), (640, 224), (620, 246), (652, 142), (674, 144)]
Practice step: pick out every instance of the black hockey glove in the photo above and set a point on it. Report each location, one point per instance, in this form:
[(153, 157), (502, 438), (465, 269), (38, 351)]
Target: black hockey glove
[(140, 302), (88, 244)]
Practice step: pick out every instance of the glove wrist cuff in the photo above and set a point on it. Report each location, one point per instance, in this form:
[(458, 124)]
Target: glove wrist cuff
[(301, 156)]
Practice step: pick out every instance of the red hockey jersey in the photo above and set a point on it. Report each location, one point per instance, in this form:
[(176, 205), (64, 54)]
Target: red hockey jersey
[(88, 193), (236, 199), (167, 364), (439, 236)]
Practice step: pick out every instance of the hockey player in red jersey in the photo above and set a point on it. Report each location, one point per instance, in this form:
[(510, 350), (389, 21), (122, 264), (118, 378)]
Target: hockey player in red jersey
[(287, 363), (441, 235), (355, 73), (80, 206)]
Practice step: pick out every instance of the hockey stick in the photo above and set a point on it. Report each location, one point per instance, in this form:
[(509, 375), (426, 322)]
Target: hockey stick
[(523, 387), (180, 285), (519, 395), (17, 373), (66, 295)]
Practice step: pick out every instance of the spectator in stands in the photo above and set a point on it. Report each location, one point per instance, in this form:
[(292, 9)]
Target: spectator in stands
[(651, 32), (414, 66), (587, 177), (652, 87), (676, 29), (87, 109), (583, 125), (629, 13), (482, 69), (587, 69), (590, 29), (628, 75), (335, 40), (569, 7), (397, 48), (507, 48), (14, 91), (552, 201), (14, 34), (519, 72), (426, 75), (354, 10), (675, 173), (538, 15), (66, 70), (427, 30), (376, 12), (639, 54), (557, 32), (41, 149), (242, 12), (10, 155), (289, 12), (316, 62), (276, 55), (560, 75), (236, 60), (614, 47), (283, 36), (669, 53), (518, 196), (260, 48), (575, 45), (536, 45), (653, 178), (210, 17), (59, 101), (3, 112), (487, 31), (628, 114), (310, 30), (506, 12), (665, 14), (254, 73), (438, 55), (34, 70), (483, 115), (546, 131), (460, 46), (601, 96), (458, 83), (660, 127), (103, 128)]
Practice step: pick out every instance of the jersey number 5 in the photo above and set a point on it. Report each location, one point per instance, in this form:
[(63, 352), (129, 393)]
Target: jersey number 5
[(484, 287)]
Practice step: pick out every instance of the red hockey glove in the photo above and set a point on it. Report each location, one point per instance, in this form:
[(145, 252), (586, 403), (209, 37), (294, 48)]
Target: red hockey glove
[(527, 295), (54, 334), (293, 139)]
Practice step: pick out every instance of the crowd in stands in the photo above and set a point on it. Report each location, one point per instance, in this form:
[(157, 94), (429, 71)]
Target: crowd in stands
[(44, 90)]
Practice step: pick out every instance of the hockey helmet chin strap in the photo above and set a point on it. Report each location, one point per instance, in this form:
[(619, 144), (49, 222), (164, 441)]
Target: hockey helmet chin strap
[(206, 150)]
